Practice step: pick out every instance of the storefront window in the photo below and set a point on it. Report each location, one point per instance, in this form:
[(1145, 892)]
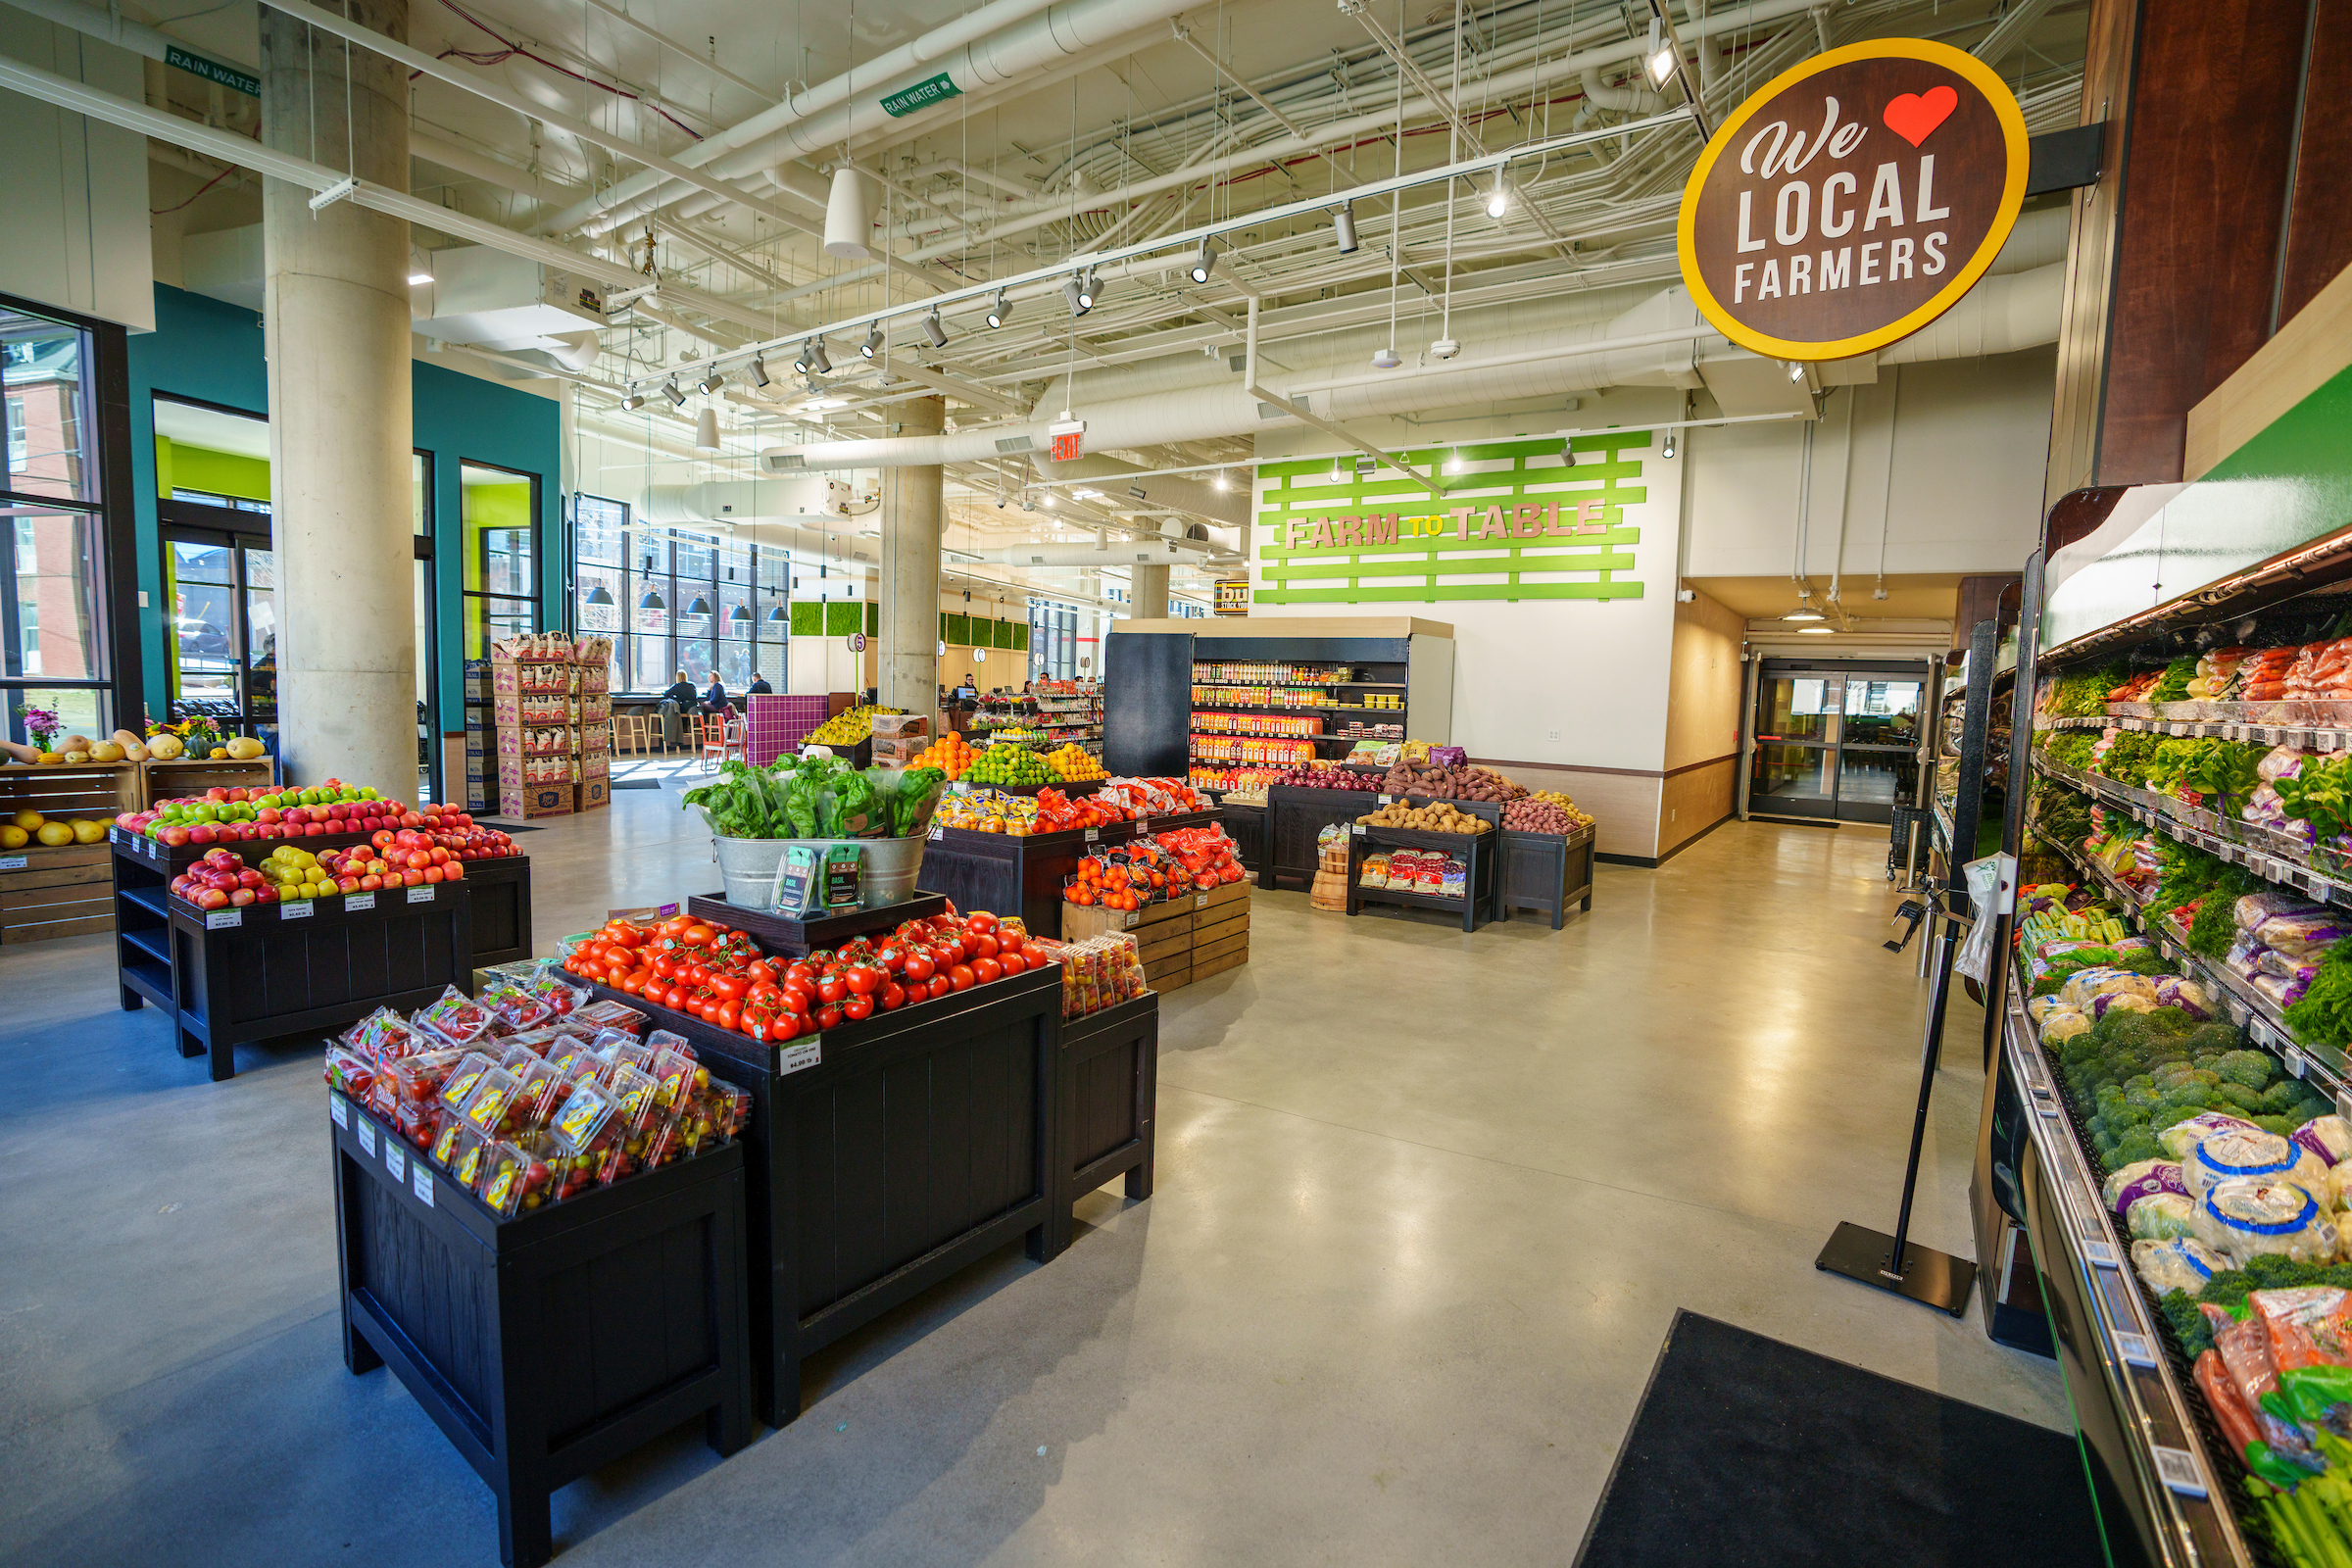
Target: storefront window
[(53, 630), (676, 601)]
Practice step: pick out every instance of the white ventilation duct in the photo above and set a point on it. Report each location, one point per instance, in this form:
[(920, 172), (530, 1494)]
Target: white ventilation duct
[(575, 351), (810, 500), (850, 216), (1623, 100), (1999, 316)]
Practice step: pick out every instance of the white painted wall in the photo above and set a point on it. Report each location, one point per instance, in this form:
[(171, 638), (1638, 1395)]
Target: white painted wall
[(74, 189), (1969, 439)]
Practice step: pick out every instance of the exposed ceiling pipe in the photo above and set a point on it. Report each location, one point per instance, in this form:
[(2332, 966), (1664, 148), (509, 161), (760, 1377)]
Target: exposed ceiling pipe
[(1622, 100), (933, 45)]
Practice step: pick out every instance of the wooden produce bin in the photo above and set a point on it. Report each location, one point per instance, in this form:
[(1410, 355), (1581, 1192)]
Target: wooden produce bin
[(553, 1343), (1478, 850), (1295, 815), (784, 934), (193, 775), (1246, 825), (885, 1155), (1162, 932), (62, 890), (1220, 929), (1109, 1078), (1547, 872)]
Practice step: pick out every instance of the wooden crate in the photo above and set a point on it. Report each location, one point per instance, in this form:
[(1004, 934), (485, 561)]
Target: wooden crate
[(193, 775), (66, 890), (1202, 968)]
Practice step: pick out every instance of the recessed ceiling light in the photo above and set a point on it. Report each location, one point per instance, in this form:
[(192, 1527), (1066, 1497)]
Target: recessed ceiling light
[(419, 277), (1815, 631), (1803, 615)]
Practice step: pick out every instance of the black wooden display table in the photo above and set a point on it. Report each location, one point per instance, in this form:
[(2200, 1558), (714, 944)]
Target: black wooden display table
[(1247, 826), (1109, 1084), (1007, 873), (887, 1154), (1476, 850), (1296, 817), (553, 1343), (782, 933), (1547, 871), (231, 976)]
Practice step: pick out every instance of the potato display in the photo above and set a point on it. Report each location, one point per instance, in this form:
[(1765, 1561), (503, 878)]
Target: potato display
[(1451, 783), (1437, 817)]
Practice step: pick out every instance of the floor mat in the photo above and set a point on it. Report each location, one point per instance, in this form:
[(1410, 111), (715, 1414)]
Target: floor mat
[(1749, 1452), (633, 783)]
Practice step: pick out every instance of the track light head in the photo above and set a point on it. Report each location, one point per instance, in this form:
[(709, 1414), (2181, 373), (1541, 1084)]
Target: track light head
[(818, 360), (1444, 348), (1205, 260), (1090, 289), (633, 400), (1343, 229), (1001, 312), (1659, 59), (1385, 359), (1080, 300), (757, 374), (1499, 200), (712, 379), (1667, 450), (933, 331), (873, 341), (669, 391), (1797, 370)]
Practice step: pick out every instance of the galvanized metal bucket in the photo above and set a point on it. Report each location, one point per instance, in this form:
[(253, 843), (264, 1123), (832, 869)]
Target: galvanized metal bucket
[(748, 867)]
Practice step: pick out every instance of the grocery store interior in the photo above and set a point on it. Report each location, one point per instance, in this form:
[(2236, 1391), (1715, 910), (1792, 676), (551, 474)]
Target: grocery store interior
[(987, 851)]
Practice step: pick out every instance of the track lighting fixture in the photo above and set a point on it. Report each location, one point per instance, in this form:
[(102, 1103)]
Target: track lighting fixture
[(1385, 359), (1001, 312), (818, 360), (1796, 371), (712, 379), (1343, 229), (757, 374), (1659, 58), (633, 400), (873, 341), (669, 391), (1221, 483), (1080, 300), (933, 331), (1499, 200), (1668, 450), (1090, 289), (1205, 260)]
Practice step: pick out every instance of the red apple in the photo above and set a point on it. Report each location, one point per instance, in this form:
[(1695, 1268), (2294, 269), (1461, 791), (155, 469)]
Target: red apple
[(412, 879), (432, 873), (211, 899), (371, 883), (453, 872)]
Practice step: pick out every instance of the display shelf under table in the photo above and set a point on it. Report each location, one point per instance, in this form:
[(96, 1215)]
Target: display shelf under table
[(1296, 817), (1478, 850), (1547, 871), (887, 1154), (549, 1344)]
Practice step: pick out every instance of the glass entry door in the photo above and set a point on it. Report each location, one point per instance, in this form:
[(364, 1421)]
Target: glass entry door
[(1843, 745), (222, 633)]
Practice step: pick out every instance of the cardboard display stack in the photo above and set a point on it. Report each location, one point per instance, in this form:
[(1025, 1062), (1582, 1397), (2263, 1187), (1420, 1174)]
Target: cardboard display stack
[(899, 738), (1187, 938), (546, 742)]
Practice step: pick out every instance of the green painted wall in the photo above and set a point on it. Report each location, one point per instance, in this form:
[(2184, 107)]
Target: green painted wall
[(493, 506), (181, 467)]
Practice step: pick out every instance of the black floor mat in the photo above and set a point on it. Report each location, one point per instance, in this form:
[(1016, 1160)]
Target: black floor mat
[(634, 783), (1750, 1453)]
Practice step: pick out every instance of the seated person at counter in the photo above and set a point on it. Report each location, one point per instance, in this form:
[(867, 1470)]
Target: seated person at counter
[(758, 686), (716, 696), (683, 694)]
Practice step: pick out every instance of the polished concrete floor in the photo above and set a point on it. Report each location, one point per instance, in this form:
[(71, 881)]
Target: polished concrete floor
[(1426, 1205)]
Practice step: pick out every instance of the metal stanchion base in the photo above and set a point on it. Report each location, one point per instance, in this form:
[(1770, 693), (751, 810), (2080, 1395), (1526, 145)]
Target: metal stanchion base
[(1931, 1278)]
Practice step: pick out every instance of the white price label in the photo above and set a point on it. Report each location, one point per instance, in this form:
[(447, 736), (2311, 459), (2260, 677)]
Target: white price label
[(799, 1055), (2296, 1062), (2136, 1350), (1384, 800), (215, 920), (1094, 835), (2101, 1254), (366, 1131), (1200, 901), (2178, 1469), (1357, 829), (396, 1158), (359, 901), (422, 895), (938, 833), (421, 1184), (339, 1110), (299, 909), (13, 862)]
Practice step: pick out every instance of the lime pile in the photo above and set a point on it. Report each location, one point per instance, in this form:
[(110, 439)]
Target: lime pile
[(1010, 765)]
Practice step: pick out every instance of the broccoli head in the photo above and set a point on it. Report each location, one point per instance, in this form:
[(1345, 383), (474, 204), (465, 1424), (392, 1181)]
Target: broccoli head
[(2214, 1038), (2283, 1098), (2134, 1147), (2141, 1094), (2253, 1068), (2240, 1098), (2283, 1126)]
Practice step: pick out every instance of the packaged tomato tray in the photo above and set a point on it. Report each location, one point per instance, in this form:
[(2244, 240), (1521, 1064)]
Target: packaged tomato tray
[(384, 1034), (520, 1179), (513, 1010), (613, 1015), (457, 1018), (461, 1079)]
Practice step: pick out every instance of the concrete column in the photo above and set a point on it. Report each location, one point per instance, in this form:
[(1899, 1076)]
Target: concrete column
[(911, 515), (1148, 592), (336, 325)]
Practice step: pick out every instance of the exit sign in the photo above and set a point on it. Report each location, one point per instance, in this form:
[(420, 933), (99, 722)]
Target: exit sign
[(1070, 439)]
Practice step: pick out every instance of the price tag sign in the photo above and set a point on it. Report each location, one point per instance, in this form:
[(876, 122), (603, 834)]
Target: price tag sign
[(359, 901), (421, 894), (937, 833), (2101, 1254), (1200, 901), (396, 1159), (2136, 1350), (339, 1110), (2296, 1062), (299, 909), (215, 920), (1384, 800), (801, 1055), (13, 862), (421, 1184), (1357, 829), (2178, 1469), (1094, 835), (366, 1135)]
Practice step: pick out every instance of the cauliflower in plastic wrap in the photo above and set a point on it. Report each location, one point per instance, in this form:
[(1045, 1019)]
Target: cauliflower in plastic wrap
[(2163, 1217), (2237, 1154), (2249, 1217), (2107, 1002), (2062, 1023), (2078, 990), (2142, 1178), (2182, 1263), (2328, 1136), (2182, 1138)]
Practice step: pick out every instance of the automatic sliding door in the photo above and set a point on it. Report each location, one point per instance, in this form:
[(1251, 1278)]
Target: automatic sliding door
[(1795, 773)]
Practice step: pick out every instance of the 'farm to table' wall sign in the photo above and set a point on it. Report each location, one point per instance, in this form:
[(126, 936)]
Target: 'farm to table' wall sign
[(1853, 200), (1518, 521)]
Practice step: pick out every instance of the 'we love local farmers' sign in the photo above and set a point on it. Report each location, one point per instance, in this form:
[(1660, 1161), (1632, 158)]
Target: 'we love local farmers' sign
[(1531, 517), (1853, 200)]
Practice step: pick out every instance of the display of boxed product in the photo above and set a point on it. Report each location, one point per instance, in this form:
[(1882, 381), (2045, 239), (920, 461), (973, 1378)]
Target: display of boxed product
[(590, 793), (477, 680), (527, 801), (898, 750), (537, 740), (515, 772), (900, 726), (532, 708)]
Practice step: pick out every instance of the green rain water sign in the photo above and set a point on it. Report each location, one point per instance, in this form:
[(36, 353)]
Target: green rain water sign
[(212, 71), (1524, 518), (922, 95)]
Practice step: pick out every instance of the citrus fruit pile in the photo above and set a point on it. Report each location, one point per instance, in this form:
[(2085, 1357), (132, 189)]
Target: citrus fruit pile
[(1075, 763), (948, 753), (1009, 765)]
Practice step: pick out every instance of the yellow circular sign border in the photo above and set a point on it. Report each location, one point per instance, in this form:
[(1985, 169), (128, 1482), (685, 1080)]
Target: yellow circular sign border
[(2013, 198)]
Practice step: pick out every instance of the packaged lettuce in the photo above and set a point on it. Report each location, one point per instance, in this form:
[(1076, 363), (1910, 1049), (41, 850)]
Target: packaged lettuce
[(2328, 1136), (2142, 1178), (2161, 1217), (2064, 1024)]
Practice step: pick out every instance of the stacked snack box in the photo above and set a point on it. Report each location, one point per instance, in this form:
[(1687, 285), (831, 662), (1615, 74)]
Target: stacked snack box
[(540, 728), (592, 659)]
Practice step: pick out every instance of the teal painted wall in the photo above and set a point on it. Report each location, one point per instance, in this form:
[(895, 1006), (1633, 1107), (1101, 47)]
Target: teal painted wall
[(211, 352)]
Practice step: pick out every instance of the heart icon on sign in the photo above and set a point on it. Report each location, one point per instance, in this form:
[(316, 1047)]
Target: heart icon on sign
[(1915, 115)]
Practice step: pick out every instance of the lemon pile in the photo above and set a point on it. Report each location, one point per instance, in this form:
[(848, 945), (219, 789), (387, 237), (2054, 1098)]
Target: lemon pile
[(297, 875), (851, 726)]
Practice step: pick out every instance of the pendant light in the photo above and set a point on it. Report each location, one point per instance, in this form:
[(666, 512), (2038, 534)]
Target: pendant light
[(706, 431), (776, 616), (599, 595), (700, 607), (1343, 229), (738, 616), (650, 599)]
